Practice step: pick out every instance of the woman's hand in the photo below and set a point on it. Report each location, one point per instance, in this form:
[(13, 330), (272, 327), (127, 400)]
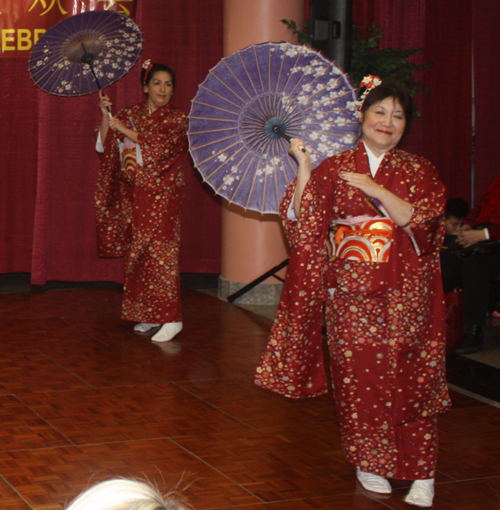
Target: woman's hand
[(104, 104), (468, 237), (399, 210), (363, 182), (303, 171), (298, 151), (117, 125)]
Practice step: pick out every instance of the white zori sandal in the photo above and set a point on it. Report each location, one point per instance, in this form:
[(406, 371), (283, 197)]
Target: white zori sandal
[(142, 327), (373, 483), (421, 493), (167, 332)]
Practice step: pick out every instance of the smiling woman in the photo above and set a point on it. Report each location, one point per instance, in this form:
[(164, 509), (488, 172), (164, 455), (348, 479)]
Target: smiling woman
[(384, 305), (139, 197), (383, 125)]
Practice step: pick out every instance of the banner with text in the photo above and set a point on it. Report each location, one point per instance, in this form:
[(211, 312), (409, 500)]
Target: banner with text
[(22, 22)]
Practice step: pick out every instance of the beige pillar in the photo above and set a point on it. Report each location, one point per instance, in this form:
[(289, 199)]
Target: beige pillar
[(252, 243)]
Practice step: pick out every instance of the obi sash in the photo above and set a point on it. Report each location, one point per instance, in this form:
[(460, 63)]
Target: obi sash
[(361, 238), (128, 156)]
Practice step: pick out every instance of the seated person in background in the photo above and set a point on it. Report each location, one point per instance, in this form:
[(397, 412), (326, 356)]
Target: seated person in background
[(455, 211), (479, 270), (122, 494)]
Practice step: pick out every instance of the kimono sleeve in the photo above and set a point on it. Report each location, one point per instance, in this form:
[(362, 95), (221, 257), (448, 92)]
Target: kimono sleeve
[(426, 222), (99, 146), (315, 209), (113, 200), (292, 363)]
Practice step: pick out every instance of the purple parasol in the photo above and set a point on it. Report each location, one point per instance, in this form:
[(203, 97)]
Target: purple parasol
[(84, 53), (248, 108)]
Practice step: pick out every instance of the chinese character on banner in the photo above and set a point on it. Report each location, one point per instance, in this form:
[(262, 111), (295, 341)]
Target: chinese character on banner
[(47, 7), (23, 22), (119, 5)]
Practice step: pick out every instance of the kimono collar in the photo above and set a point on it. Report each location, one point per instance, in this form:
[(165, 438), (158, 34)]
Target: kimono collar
[(158, 111), (373, 161), (385, 173)]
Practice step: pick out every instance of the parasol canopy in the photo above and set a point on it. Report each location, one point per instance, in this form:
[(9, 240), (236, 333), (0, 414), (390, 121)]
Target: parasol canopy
[(84, 53), (248, 108)]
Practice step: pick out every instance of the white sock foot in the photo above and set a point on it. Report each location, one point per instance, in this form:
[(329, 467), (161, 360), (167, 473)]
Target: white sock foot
[(167, 332), (144, 326), (421, 493), (373, 483)]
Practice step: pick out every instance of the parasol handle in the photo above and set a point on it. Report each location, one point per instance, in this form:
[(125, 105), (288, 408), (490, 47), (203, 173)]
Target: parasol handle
[(87, 58), (280, 132)]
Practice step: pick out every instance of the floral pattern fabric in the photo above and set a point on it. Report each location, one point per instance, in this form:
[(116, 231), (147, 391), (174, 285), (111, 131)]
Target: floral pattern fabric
[(385, 320), (138, 212)]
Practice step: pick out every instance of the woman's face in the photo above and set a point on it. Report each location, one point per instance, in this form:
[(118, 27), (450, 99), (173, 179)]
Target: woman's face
[(383, 125), (159, 90)]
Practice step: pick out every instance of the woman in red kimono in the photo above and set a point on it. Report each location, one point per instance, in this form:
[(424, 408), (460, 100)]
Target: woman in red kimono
[(138, 201), (365, 229)]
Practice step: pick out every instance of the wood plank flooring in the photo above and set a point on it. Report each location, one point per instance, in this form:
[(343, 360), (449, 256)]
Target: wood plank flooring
[(83, 399)]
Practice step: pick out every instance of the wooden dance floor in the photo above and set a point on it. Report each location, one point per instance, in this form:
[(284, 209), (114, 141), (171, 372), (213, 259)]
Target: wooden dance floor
[(83, 399)]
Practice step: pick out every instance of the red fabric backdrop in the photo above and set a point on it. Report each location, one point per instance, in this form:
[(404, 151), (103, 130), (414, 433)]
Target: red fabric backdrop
[(49, 165), (443, 30), (447, 112), (448, 30), (486, 80)]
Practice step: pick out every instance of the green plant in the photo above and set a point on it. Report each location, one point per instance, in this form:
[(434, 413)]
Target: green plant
[(389, 64), (302, 35)]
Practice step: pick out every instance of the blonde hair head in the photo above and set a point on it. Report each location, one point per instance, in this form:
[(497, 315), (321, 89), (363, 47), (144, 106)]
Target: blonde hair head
[(123, 494)]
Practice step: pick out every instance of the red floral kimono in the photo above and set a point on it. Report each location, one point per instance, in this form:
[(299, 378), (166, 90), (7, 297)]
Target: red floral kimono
[(385, 320), (138, 211)]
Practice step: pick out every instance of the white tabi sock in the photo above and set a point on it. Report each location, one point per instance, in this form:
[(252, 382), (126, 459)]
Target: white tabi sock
[(167, 332), (144, 326), (373, 483), (421, 493)]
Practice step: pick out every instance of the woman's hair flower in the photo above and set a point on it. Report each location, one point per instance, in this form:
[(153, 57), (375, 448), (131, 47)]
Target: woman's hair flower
[(147, 66), (370, 81)]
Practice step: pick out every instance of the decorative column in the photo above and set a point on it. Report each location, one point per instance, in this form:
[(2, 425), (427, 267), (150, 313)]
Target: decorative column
[(252, 243)]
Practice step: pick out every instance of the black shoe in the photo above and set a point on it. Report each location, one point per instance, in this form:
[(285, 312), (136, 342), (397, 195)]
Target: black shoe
[(473, 340)]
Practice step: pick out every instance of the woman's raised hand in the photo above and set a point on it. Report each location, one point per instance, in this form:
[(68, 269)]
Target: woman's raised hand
[(303, 158), (104, 104), (105, 107), (298, 151)]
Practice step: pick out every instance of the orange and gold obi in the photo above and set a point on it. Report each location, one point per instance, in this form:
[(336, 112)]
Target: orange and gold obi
[(366, 241), (129, 165)]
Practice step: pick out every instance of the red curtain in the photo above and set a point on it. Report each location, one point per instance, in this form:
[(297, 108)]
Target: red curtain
[(443, 30), (49, 165), (18, 135), (486, 80), (447, 112), (403, 25)]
